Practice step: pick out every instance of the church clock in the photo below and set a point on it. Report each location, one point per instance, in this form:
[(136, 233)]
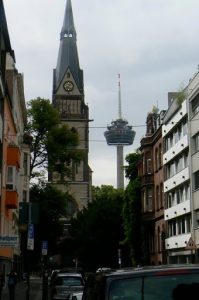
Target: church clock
[(68, 86)]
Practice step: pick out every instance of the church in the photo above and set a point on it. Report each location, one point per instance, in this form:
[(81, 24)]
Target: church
[(68, 99)]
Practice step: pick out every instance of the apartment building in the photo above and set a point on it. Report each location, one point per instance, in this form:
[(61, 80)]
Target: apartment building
[(192, 93), (151, 173), (15, 153), (177, 190)]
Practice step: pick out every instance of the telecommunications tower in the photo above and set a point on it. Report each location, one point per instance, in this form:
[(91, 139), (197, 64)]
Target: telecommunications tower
[(119, 134)]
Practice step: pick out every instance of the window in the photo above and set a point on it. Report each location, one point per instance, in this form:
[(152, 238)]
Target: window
[(196, 180), (161, 195), (179, 164), (176, 136), (24, 196), (10, 183), (149, 200), (156, 159), (178, 196), (169, 200), (184, 128), (195, 105), (187, 192), (196, 142), (160, 155), (157, 197), (25, 163), (171, 169), (149, 166)]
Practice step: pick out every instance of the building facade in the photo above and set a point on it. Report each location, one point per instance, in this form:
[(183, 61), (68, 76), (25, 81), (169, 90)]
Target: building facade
[(192, 93), (152, 179), (15, 153), (177, 189)]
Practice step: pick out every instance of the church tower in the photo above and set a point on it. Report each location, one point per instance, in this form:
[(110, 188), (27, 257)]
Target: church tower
[(68, 98)]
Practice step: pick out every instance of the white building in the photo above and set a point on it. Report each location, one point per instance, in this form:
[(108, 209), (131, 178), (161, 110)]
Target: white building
[(192, 92), (177, 180)]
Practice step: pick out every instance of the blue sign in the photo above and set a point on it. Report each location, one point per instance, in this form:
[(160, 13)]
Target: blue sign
[(31, 231), (30, 245), (44, 248)]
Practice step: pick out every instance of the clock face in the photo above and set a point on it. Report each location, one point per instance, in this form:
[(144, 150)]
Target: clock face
[(68, 86)]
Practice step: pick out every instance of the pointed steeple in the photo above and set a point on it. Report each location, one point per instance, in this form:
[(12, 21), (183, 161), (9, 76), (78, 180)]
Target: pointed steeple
[(68, 28), (68, 55)]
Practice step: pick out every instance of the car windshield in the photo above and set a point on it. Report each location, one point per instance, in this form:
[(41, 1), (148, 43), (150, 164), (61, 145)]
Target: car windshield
[(68, 281), (172, 287)]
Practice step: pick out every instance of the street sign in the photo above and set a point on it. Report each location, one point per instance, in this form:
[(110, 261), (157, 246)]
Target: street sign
[(9, 241), (44, 248), (30, 243), (191, 245)]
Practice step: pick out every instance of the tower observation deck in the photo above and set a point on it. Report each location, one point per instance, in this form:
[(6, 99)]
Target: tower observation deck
[(119, 134)]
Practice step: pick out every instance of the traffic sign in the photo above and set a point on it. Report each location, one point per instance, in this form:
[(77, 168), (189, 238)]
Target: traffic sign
[(191, 245), (30, 244), (44, 248)]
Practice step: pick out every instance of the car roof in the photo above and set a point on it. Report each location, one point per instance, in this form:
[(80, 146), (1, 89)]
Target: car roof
[(69, 275), (160, 270)]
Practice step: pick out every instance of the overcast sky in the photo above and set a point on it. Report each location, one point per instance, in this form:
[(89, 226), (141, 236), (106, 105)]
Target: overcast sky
[(153, 44)]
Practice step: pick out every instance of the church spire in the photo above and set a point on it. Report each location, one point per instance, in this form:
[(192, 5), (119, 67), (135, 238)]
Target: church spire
[(68, 28), (68, 60)]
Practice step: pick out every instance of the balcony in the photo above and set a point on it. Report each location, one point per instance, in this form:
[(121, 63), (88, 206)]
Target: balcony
[(147, 179), (11, 199), (13, 156)]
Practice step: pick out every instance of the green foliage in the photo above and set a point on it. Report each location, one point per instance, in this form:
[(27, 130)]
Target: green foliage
[(52, 207), (97, 230), (131, 171), (180, 95), (132, 219), (53, 145), (132, 209)]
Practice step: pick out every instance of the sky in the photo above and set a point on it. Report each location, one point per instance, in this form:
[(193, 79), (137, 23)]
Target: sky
[(152, 44)]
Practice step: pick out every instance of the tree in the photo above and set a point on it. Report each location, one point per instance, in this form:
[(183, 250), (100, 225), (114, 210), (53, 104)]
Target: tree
[(53, 145), (132, 210), (97, 230), (52, 205)]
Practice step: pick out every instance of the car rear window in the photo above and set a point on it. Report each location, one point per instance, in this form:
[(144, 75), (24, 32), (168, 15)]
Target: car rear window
[(169, 287), (68, 281)]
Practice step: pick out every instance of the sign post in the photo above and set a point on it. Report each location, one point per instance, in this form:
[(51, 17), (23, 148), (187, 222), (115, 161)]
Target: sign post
[(30, 243), (191, 245), (44, 252)]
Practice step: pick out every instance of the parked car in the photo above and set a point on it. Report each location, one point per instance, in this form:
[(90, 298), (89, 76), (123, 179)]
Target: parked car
[(65, 284), (76, 296), (148, 283), (53, 275)]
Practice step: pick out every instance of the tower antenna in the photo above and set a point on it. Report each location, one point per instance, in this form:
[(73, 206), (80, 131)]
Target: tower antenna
[(119, 99)]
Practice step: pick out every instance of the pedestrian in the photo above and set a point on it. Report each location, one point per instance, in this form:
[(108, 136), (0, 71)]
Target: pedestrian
[(12, 281), (2, 281)]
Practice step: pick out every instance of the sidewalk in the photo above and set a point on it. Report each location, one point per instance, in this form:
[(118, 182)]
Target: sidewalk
[(20, 291)]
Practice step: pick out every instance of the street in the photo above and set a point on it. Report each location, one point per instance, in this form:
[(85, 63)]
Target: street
[(35, 292)]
